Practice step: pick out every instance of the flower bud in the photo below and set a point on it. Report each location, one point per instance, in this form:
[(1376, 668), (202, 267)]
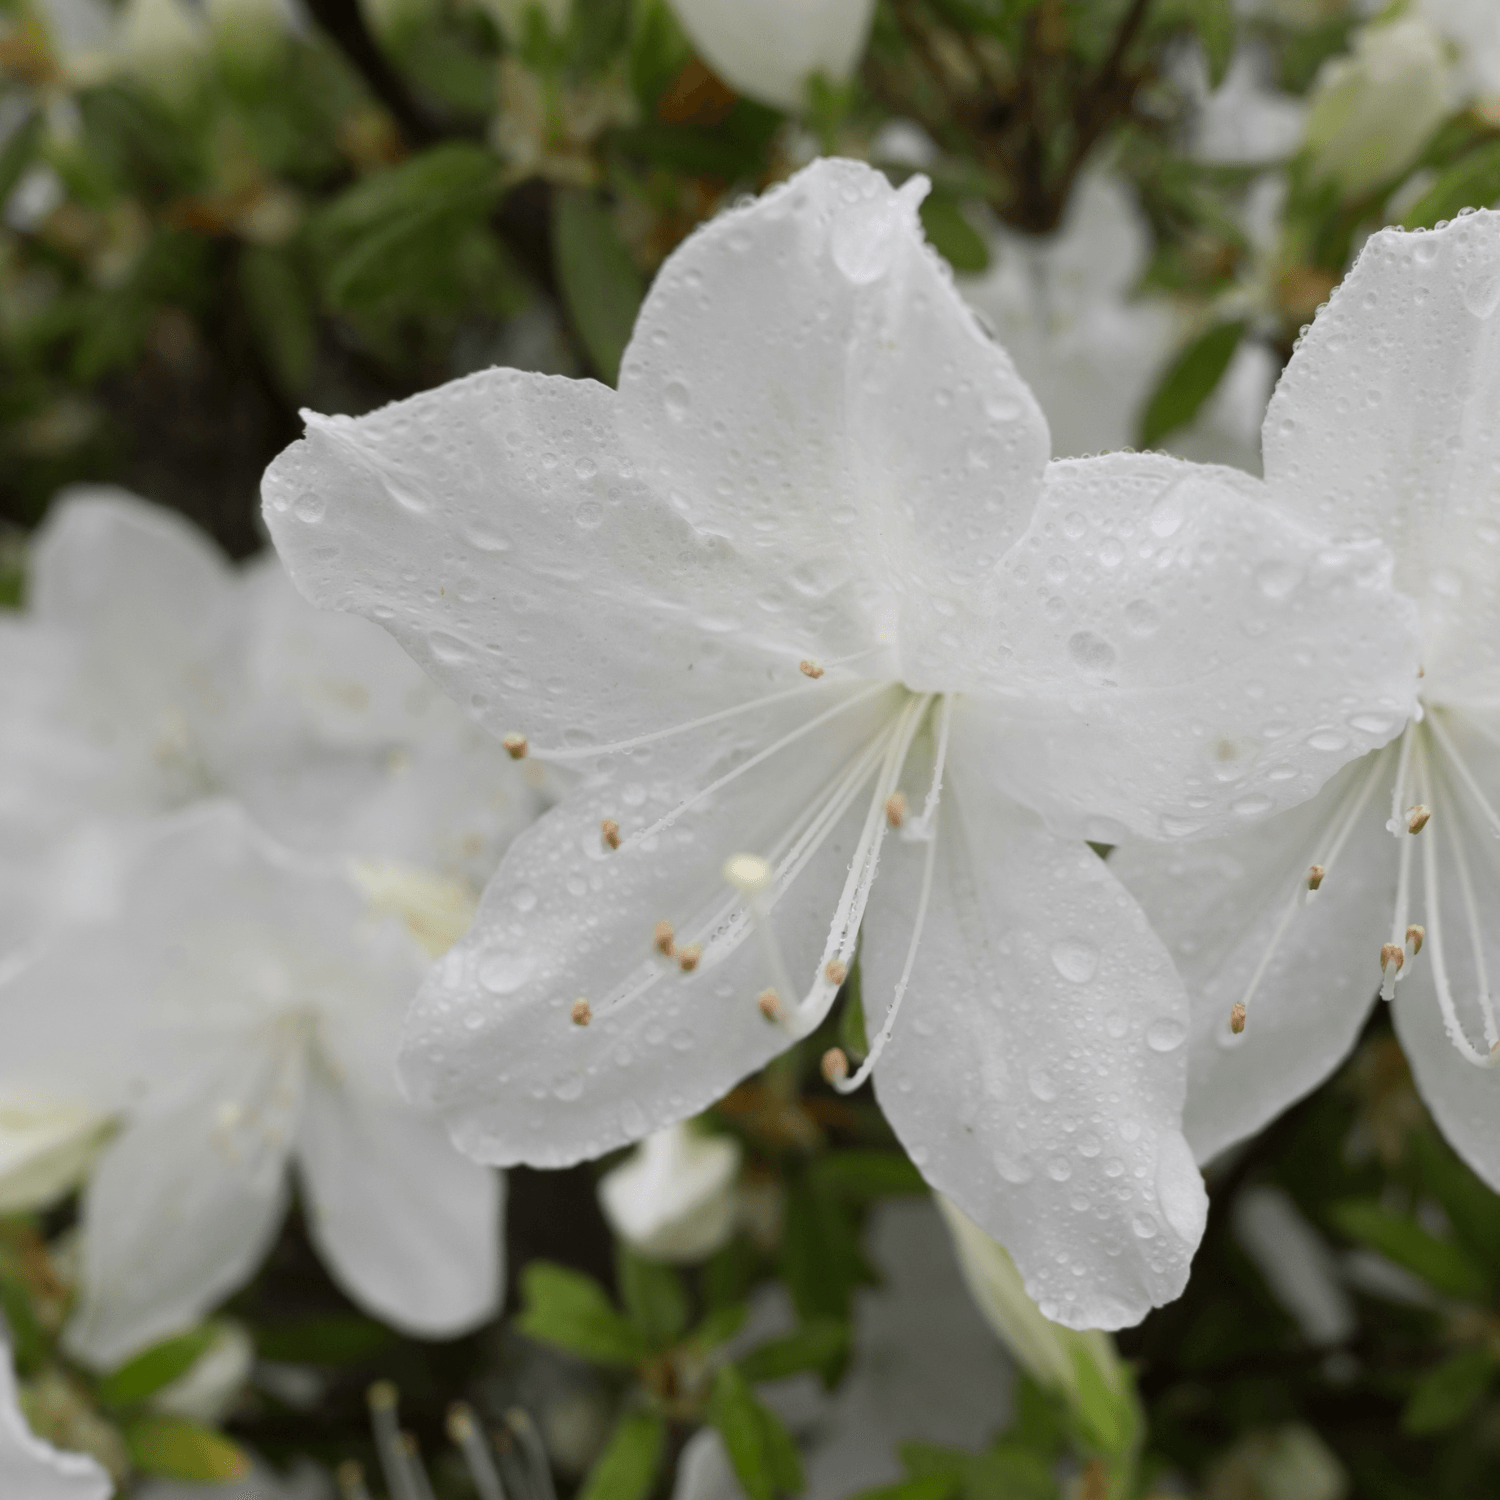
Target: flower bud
[(674, 1198)]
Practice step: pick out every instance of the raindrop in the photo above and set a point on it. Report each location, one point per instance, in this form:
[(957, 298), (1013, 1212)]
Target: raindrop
[(505, 972), (677, 401), (308, 507), (1165, 1034), (1075, 959), (1091, 652)]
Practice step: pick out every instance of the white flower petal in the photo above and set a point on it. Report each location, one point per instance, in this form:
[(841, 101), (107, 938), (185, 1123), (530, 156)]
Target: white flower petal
[(407, 1226), (1036, 1073), (1180, 658), (184, 1204), (804, 380), (1218, 906), (771, 49), (489, 1040), (1362, 441), (33, 1470), (673, 1197)]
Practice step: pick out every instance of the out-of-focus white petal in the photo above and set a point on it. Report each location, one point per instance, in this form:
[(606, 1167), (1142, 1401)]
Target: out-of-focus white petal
[(673, 1198), (407, 1226), (1036, 1072), (1169, 643), (45, 1150), (1245, 121), (211, 1385), (770, 50), (33, 1470), (1470, 26), (1296, 1262), (704, 1471), (1229, 905)]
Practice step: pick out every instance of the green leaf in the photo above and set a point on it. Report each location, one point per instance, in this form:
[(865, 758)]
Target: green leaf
[(860, 1176), (1473, 181), (721, 1325), (627, 1468), (658, 51), (1190, 382), (1445, 1267), (1107, 1417), (176, 1449), (1000, 1474), (927, 1487), (18, 152), (760, 1448), (654, 1296), (572, 1311), (282, 315), (820, 1257), (1446, 1395), (1472, 1208), (951, 234), (334, 1339), (854, 1038), (155, 1367), (599, 281), (819, 1344), (1216, 30)]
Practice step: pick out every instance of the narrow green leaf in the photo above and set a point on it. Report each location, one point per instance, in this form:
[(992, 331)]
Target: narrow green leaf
[(720, 1325), (1445, 1267), (1190, 382), (820, 1258), (1000, 1474), (927, 1487), (333, 1339), (155, 1367), (859, 1176), (1216, 30), (1446, 1395), (654, 1296), (282, 315), (572, 1311), (816, 1345), (1107, 1416), (760, 1448), (1473, 181), (600, 283), (176, 1449), (951, 234), (627, 1468)]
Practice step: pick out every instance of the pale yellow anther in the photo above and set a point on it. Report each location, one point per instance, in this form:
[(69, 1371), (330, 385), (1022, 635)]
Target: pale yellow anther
[(1237, 1017), (609, 831), (835, 972), (835, 1065), (1416, 817), (515, 745), (748, 873), (810, 668), (687, 957), (460, 1422), (1415, 937), (381, 1396), (895, 809), (663, 937), (581, 1013), (1315, 874), (1391, 957), (770, 1004)]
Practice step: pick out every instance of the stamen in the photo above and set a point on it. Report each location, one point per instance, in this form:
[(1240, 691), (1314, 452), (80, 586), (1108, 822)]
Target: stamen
[(769, 1003), (581, 1013), (515, 744), (1237, 1017), (1315, 874), (1415, 936), (687, 956), (395, 1461), (420, 1481), (465, 1434), (810, 668), (748, 873), (1459, 764), (895, 809), (662, 938), (853, 701), (1416, 817), (1396, 823), (922, 828), (835, 1066), (1392, 972), (835, 972), (351, 1479), (609, 832)]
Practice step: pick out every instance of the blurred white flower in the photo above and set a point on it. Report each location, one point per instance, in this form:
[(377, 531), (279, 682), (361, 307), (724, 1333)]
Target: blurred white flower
[(1372, 110), (304, 1481), (1245, 121), (817, 514), (1382, 426), (674, 1197), (770, 50), (238, 1012), (1296, 1263), (208, 1389), (164, 43), (31, 1469), (1471, 29)]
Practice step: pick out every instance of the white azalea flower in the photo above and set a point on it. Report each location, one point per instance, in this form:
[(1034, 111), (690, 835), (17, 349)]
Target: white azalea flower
[(1469, 27), (801, 598), (770, 50), (1382, 426), (146, 673), (236, 1013), (33, 1470), (674, 1199), (1246, 120)]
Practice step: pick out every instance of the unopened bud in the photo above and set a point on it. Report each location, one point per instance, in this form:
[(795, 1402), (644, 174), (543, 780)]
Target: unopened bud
[(609, 831), (835, 972), (1415, 937), (835, 1065), (1315, 874), (810, 668), (1416, 818), (1237, 1017), (770, 1004), (895, 809), (1391, 957), (662, 938), (581, 1014), (515, 745), (687, 957)]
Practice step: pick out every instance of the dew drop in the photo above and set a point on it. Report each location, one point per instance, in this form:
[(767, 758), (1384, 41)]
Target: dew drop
[(1328, 739), (1167, 514), (308, 507), (1165, 1034), (1091, 652), (1075, 959), (505, 972), (677, 400)]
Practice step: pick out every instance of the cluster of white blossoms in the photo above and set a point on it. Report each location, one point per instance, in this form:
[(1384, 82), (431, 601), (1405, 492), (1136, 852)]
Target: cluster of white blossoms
[(235, 833), (845, 668)]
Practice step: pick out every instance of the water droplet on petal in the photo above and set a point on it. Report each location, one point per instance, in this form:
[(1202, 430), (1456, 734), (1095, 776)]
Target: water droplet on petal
[(1165, 1034), (1075, 959)]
